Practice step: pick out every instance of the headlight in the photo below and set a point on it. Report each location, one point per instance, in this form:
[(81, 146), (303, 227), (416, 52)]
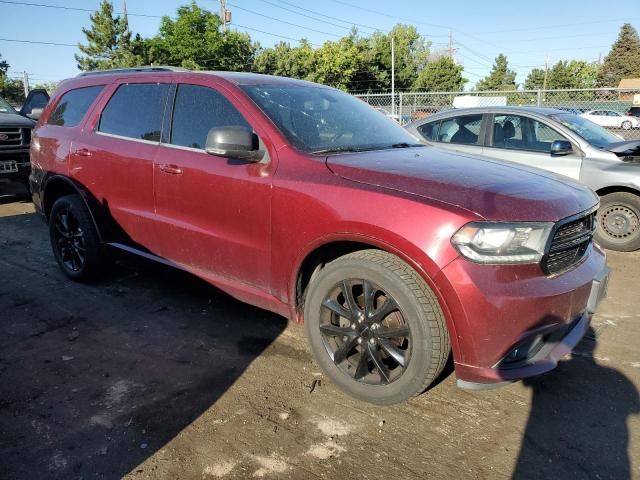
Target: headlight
[(502, 243)]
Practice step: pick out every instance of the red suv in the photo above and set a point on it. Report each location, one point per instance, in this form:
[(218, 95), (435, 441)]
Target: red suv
[(305, 201)]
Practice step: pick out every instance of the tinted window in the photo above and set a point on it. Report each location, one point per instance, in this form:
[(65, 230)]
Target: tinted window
[(429, 131), (197, 110), (73, 106), (136, 110), (460, 130), (523, 133)]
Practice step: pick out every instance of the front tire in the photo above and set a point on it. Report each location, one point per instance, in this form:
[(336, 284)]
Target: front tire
[(74, 239), (619, 222), (375, 327), (626, 125)]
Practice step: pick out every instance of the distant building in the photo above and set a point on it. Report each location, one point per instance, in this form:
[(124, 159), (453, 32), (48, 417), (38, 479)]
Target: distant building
[(630, 83)]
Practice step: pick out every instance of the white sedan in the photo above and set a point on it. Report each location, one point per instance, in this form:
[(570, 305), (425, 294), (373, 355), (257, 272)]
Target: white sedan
[(611, 118)]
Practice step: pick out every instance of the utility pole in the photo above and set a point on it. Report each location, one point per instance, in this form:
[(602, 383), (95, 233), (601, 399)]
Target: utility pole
[(450, 44), (393, 78), (225, 15), (25, 83), (546, 72)]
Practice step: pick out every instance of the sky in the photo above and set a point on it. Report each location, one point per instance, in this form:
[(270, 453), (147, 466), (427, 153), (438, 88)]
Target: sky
[(527, 33)]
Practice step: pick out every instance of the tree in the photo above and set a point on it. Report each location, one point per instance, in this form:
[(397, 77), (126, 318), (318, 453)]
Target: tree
[(411, 55), (572, 74), (623, 60), (193, 40), (285, 60), (500, 77), (4, 67), (535, 79), (441, 75), (108, 41)]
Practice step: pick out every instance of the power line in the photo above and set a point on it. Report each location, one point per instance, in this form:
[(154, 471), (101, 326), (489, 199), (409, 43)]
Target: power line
[(38, 42), (283, 21), (273, 34), (77, 9), (351, 24)]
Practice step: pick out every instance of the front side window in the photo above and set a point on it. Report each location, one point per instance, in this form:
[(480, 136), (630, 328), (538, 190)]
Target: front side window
[(463, 130), (135, 111), (73, 106), (523, 133), (197, 110)]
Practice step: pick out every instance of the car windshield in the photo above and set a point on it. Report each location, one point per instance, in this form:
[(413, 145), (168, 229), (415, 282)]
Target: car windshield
[(324, 120), (592, 133), (5, 107)]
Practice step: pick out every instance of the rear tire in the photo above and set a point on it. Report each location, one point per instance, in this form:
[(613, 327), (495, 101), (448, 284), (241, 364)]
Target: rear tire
[(626, 125), (74, 239), (404, 344), (619, 222)]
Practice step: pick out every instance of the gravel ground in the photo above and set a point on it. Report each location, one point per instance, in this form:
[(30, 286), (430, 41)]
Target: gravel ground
[(152, 373)]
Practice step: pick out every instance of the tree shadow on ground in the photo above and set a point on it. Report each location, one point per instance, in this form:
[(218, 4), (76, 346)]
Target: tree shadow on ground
[(577, 427), (94, 379)]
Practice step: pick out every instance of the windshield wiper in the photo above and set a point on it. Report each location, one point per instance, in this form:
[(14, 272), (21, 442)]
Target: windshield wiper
[(406, 145), (337, 150)]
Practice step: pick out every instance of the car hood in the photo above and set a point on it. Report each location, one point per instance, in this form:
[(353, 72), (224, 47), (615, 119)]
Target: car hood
[(15, 120), (626, 146), (488, 188)]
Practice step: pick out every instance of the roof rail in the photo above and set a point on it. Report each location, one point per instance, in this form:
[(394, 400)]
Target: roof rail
[(159, 68)]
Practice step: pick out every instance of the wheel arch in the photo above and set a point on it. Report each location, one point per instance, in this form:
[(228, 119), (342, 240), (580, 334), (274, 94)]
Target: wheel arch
[(58, 186), (330, 248), (601, 192)]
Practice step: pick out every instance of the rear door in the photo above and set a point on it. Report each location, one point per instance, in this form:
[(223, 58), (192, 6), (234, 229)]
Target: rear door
[(526, 140), (214, 213), (113, 159)]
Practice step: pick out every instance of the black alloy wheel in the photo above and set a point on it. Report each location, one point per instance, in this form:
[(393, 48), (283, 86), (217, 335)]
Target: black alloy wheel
[(69, 239), (365, 333), (375, 327), (74, 239)]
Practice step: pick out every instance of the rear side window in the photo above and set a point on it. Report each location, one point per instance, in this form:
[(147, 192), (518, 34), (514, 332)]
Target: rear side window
[(135, 111), (73, 106), (429, 131), (197, 110), (460, 130)]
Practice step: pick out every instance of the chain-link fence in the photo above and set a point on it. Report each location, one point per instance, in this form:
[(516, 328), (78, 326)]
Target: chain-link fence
[(611, 104)]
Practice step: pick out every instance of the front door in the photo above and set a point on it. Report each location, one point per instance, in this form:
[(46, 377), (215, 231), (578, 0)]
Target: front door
[(213, 213), (522, 139)]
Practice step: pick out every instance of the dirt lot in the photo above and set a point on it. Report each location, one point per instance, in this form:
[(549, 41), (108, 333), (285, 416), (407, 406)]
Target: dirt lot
[(154, 374)]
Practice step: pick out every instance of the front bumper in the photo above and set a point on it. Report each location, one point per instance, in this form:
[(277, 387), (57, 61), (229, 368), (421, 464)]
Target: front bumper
[(513, 322), (21, 158)]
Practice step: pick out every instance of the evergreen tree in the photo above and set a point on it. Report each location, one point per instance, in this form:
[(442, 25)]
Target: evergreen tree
[(623, 61), (500, 77), (441, 75), (108, 41), (535, 79)]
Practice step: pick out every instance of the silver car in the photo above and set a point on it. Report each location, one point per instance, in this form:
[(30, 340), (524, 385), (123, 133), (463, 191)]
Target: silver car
[(554, 140)]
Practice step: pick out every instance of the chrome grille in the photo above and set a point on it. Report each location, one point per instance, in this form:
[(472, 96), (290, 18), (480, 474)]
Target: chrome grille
[(569, 244), (11, 137)]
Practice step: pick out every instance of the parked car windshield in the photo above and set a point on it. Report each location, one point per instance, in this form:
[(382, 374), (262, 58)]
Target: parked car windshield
[(5, 107), (323, 120), (594, 134)]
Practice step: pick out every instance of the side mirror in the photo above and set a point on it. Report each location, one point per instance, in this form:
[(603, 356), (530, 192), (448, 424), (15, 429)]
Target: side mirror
[(234, 142), (561, 147), (35, 114)]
